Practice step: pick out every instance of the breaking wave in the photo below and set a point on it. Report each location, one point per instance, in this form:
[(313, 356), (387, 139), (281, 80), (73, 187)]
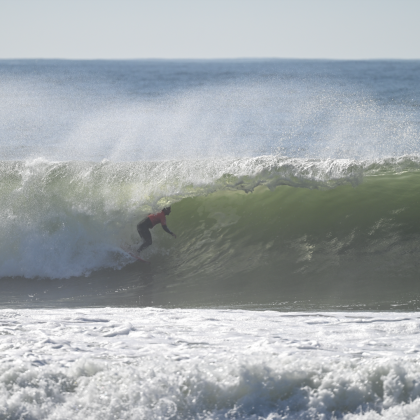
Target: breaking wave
[(291, 224)]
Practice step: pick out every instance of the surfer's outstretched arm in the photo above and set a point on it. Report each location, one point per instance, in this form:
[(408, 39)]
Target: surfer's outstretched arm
[(166, 229)]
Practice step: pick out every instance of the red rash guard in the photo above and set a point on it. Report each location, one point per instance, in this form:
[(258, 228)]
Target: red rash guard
[(158, 218)]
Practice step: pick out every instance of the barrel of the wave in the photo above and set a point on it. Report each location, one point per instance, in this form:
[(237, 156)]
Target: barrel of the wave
[(143, 228)]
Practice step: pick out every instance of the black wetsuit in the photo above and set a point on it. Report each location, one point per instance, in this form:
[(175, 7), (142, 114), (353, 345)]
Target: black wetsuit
[(143, 228)]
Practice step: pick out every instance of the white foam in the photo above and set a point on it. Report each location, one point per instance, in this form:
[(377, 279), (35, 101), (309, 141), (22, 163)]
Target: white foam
[(213, 364)]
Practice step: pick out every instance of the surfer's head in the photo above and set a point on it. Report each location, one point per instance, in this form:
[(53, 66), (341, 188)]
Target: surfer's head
[(167, 210)]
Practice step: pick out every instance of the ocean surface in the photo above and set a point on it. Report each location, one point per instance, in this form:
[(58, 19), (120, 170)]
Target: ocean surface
[(292, 288)]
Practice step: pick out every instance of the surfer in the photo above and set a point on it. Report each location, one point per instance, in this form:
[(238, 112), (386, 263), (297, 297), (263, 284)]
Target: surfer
[(143, 228)]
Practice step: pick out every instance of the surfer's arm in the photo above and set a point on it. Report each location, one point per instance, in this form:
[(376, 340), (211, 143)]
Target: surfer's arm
[(166, 229)]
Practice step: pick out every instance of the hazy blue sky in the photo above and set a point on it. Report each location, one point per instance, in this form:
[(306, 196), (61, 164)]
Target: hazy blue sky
[(349, 29)]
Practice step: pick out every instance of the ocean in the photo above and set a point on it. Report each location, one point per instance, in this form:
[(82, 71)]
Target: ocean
[(292, 288)]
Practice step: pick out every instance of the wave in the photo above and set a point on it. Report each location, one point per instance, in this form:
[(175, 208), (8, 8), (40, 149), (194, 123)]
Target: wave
[(262, 227)]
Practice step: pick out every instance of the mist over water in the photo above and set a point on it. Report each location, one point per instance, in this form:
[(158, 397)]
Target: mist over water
[(153, 110)]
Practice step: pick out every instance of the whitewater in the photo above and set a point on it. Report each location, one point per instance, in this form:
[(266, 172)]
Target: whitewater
[(155, 364), (291, 290)]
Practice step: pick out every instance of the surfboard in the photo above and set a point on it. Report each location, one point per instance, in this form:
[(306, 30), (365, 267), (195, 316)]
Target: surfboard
[(127, 251)]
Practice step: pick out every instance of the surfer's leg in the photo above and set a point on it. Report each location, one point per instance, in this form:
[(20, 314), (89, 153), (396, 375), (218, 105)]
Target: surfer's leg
[(145, 234)]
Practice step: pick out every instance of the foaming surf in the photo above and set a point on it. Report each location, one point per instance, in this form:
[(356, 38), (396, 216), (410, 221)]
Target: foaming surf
[(208, 364)]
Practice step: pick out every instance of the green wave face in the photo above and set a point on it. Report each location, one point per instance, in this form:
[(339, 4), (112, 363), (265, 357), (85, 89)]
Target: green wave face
[(255, 231), (296, 243)]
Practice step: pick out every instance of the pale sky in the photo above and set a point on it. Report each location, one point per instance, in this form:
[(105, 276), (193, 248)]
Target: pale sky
[(126, 29)]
